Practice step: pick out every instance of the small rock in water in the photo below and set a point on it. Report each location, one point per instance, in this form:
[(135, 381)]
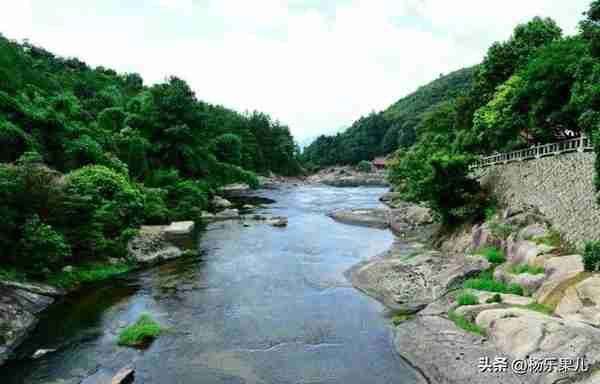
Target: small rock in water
[(246, 225), (125, 375), (248, 206), (41, 352), (278, 221), (68, 269)]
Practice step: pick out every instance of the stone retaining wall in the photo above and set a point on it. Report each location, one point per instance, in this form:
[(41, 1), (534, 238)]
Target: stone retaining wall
[(562, 187)]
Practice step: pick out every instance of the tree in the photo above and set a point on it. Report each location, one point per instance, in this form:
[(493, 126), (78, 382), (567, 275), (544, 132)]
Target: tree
[(228, 148)]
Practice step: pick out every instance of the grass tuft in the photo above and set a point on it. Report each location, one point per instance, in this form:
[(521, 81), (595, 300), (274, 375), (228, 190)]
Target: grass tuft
[(399, 319), (494, 299), (493, 255), (486, 282), (545, 309), (465, 324), (525, 268), (86, 274), (467, 298), (141, 333)]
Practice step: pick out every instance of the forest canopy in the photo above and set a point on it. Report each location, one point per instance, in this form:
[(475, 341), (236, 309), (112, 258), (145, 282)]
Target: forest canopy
[(90, 154)]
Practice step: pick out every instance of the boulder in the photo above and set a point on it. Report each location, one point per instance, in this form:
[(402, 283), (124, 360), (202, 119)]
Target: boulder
[(482, 237), (19, 305), (123, 376), (527, 252), (150, 247), (41, 352), (235, 188), (178, 229), (390, 196), (227, 214), (470, 312), (277, 221), (376, 218), (410, 284), (560, 273), (582, 302), (520, 333), (220, 203), (533, 232), (445, 354)]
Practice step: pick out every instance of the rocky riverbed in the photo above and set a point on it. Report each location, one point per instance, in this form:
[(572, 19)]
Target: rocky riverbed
[(556, 321)]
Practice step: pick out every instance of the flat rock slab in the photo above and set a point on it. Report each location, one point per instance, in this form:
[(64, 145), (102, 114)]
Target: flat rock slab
[(506, 298), (520, 333), (375, 218), (407, 282), (178, 229), (445, 354)]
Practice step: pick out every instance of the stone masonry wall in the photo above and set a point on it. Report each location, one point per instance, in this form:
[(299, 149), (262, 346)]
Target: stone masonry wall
[(560, 186)]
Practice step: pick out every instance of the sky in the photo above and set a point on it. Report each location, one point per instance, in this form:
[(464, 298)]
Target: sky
[(314, 65)]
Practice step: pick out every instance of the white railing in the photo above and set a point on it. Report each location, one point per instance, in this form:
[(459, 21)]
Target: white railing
[(579, 144)]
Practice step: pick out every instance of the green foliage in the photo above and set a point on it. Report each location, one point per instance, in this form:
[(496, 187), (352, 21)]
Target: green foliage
[(42, 246), (155, 206), (502, 230), (465, 324), (228, 148), (86, 273), (526, 268), (486, 282), (441, 179), (553, 239), (99, 207), (491, 209), (493, 255), (466, 298), (591, 256), (401, 318), (545, 309), (364, 166), (141, 333)]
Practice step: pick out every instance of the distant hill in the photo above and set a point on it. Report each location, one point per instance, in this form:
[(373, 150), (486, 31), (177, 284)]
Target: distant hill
[(384, 132), (309, 140)]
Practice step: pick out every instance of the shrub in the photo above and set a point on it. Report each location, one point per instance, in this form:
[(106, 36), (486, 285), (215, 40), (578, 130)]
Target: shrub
[(228, 148), (41, 246), (502, 230), (591, 256), (466, 298), (142, 332), (553, 239), (155, 206), (99, 205), (364, 166), (465, 324), (491, 209), (189, 198), (491, 285), (493, 255)]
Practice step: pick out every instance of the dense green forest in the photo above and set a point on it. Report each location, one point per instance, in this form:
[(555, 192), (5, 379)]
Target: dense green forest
[(528, 90), (384, 132), (88, 155)]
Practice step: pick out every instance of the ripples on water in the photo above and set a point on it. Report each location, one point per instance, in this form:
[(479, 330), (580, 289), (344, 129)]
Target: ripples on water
[(262, 305)]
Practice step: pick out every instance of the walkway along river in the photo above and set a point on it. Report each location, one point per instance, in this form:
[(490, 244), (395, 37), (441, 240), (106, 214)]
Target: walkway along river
[(262, 305)]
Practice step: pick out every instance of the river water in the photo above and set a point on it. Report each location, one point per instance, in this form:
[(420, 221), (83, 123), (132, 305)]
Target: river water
[(261, 305)]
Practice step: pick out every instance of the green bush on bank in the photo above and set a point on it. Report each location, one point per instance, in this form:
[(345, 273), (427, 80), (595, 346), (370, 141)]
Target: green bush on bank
[(591, 256), (364, 166)]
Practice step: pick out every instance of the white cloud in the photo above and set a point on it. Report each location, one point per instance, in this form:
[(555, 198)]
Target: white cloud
[(311, 69)]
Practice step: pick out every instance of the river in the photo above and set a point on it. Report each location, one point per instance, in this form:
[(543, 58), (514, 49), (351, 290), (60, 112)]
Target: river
[(261, 305)]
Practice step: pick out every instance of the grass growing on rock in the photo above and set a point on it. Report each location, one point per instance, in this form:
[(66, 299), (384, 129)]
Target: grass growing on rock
[(525, 268), (86, 274), (400, 318), (141, 333), (493, 255), (467, 298), (545, 309), (465, 324), (486, 282)]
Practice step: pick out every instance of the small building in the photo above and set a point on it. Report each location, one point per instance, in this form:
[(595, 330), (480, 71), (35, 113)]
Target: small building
[(379, 162)]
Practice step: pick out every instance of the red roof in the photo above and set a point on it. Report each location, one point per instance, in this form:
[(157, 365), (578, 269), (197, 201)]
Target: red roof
[(379, 161)]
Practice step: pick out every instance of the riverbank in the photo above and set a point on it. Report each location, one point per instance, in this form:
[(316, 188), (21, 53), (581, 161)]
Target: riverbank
[(447, 322)]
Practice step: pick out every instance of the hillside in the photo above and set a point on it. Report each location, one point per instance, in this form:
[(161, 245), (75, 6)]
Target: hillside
[(383, 132)]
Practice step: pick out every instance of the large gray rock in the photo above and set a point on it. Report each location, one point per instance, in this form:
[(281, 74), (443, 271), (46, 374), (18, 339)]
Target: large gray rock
[(150, 247), (178, 229), (348, 177), (445, 354), (376, 218), (227, 214), (520, 334), (19, 305), (582, 302), (408, 283), (527, 252), (561, 273), (506, 298), (220, 203)]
